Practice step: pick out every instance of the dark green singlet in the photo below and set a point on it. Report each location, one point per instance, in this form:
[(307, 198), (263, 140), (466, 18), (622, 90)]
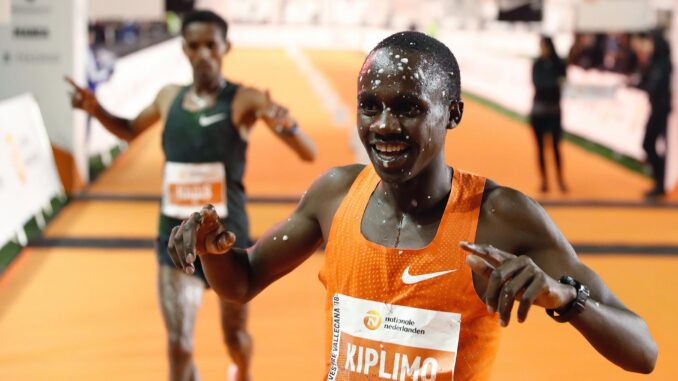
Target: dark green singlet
[(186, 140)]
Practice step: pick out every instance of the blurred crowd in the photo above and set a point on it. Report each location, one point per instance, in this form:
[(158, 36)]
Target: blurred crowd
[(126, 36), (625, 53), (644, 57)]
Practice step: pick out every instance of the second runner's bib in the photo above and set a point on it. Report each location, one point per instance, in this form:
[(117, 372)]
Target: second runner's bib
[(187, 187)]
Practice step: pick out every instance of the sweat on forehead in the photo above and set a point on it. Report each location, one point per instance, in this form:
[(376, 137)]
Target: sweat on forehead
[(389, 66), (427, 49)]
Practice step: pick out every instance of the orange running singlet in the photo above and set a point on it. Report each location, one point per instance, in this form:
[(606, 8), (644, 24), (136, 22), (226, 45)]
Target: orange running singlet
[(399, 314)]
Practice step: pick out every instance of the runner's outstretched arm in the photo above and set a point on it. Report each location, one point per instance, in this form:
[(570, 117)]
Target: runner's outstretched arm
[(238, 275), (279, 121), (126, 129), (516, 224)]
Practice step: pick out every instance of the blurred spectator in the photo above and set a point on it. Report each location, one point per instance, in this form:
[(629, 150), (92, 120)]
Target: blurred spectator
[(128, 33), (655, 79), (548, 73), (618, 55), (585, 51), (100, 62)]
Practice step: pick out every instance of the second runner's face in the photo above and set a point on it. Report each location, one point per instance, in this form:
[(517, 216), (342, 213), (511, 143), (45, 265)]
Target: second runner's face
[(402, 112), (204, 46)]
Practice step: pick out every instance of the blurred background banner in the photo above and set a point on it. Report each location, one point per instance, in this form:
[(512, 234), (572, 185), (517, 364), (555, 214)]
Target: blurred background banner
[(126, 9), (4, 11), (614, 15), (45, 41), (28, 174), (520, 10)]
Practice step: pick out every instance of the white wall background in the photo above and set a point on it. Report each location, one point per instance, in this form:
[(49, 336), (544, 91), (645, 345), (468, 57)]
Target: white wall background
[(4, 11), (36, 63), (126, 9)]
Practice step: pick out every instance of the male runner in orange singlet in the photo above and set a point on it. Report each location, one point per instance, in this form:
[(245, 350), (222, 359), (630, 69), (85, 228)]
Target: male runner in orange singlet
[(407, 297), (204, 144)]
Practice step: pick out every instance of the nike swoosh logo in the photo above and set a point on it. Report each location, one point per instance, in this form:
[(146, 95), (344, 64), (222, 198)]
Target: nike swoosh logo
[(412, 279), (205, 121)]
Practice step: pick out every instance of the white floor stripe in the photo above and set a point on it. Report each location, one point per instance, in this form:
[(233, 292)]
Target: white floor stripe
[(341, 115)]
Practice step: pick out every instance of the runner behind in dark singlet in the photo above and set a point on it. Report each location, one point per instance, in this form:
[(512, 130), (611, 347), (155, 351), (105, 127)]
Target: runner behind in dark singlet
[(204, 141)]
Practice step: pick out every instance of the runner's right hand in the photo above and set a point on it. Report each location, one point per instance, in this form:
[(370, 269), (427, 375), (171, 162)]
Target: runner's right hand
[(81, 97), (202, 233)]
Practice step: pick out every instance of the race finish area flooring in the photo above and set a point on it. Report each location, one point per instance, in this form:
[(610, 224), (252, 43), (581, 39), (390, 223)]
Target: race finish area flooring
[(81, 303)]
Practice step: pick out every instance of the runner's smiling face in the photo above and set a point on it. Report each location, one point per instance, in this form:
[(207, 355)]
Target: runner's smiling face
[(204, 45), (402, 112)]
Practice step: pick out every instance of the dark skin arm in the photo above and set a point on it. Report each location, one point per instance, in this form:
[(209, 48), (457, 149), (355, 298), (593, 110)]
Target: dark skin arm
[(238, 275), (251, 104), (125, 129), (510, 223)]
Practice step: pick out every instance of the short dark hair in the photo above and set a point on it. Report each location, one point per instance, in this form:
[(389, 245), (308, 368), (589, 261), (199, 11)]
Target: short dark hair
[(439, 53), (206, 17)]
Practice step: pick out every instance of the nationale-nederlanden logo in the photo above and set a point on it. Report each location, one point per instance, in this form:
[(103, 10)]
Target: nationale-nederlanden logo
[(372, 320)]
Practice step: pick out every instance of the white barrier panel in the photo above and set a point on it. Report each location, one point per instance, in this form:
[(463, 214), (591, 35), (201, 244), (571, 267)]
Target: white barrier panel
[(501, 80), (600, 107), (46, 40), (28, 175), (137, 79)]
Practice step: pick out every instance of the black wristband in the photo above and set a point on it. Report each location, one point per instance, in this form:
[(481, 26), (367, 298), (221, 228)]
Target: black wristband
[(564, 314)]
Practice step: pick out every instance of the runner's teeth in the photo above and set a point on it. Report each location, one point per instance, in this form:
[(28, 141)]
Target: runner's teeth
[(390, 147)]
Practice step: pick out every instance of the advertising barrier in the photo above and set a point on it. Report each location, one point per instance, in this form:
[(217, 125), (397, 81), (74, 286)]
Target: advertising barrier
[(28, 174), (45, 40)]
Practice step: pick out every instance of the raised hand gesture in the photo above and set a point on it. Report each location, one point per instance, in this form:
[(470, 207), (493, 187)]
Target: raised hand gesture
[(201, 234), (81, 97), (513, 278), (274, 115)]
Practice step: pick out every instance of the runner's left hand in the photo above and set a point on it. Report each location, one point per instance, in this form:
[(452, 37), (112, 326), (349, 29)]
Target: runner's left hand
[(510, 278), (275, 115), (201, 234)]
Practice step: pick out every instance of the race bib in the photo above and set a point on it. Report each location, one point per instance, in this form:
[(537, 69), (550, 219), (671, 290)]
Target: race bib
[(372, 340), (188, 187)]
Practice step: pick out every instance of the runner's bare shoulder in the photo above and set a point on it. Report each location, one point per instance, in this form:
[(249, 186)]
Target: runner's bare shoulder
[(329, 189), (506, 202), (166, 96), (511, 218)]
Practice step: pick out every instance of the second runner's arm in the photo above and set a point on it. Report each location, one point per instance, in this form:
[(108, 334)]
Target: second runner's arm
[(238, 275), (125, 129), (279, 120)]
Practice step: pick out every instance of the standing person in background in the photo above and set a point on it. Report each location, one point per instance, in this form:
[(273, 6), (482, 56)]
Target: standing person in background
[(655, 79), (204, 140), (548, 73)]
